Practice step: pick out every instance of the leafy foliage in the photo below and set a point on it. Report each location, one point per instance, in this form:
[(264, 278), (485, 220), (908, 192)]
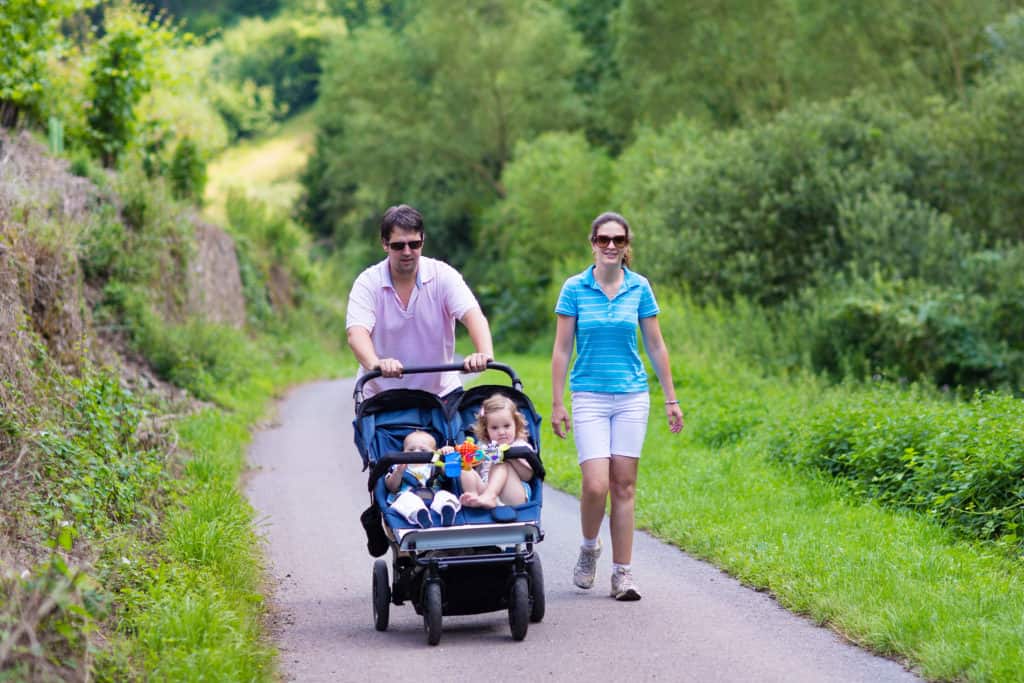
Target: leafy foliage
[(276, 272), (734, 63), (122, 74), (202, 16), (103, 475), (29, 31), (912, 332), (754, 212), (246, 108), (282, 54), (188, 171), (961, 463), (556, 185), (54, 609), (430, 114)]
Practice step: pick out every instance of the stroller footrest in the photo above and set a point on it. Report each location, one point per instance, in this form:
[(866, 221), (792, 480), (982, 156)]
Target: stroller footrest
[(471, 535)]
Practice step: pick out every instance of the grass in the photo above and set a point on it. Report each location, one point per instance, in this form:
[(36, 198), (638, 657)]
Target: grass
[(893, 582), (201, 614), (266, 168)]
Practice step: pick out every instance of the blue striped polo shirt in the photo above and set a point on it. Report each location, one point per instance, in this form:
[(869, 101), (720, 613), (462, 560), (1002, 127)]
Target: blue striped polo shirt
[(607, 354)]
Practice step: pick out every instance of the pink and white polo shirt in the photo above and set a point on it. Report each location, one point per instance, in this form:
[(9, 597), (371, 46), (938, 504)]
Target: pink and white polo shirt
[(422, 333)]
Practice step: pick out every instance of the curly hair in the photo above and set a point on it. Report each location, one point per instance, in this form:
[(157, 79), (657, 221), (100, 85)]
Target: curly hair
[(493, 404)]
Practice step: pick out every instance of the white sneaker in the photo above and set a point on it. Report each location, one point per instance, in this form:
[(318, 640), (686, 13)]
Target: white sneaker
[(623, 585), (586, 566)]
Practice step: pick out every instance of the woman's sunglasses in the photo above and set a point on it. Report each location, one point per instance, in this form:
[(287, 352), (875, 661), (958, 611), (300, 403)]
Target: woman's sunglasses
[(400, 246), (604, 240)]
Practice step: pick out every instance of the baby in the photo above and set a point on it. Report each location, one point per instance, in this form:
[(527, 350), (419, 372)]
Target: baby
[(411, 494)]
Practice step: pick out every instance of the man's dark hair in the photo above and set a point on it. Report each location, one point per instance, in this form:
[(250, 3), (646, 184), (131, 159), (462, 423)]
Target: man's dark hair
[(402, 216)]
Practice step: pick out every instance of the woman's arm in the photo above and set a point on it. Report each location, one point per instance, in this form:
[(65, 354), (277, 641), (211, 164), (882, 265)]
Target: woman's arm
[(658, 353), (565, 334)]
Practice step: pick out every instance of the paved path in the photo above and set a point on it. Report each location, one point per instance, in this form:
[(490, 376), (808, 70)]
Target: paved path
[(694, 623)]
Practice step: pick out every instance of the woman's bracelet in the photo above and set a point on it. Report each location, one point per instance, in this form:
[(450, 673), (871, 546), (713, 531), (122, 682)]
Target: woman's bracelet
[(671, 403)]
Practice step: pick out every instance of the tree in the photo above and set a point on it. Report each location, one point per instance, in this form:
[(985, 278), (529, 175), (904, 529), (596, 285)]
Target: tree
[(556, 185), (733, 61), (29, 32), (430, 114), (126, 62)]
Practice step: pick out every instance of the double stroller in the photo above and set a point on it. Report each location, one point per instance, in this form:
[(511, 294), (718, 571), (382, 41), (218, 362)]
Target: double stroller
[(481, 561)]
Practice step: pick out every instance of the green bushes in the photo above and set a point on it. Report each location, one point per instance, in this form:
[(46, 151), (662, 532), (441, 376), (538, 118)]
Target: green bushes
[(188, 171), (104, 475), (555, 186), (273, 255), (123, 72), (195, 355), (961, 462), (264, 69), (907, 331), (854, 186), (281, 53), (886, 244), (28, 31), (756, 212)]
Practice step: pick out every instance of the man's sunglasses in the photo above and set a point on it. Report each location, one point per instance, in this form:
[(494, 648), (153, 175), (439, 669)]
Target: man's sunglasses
[(400, 246), (604, 240)]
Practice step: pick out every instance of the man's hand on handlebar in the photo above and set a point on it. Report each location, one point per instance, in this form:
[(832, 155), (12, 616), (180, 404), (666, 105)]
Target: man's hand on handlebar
[(390, 367), (476, 362)]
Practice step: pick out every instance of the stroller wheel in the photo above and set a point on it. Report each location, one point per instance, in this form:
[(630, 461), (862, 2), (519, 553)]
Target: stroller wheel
[(536, 589), (432, 612), (381, 595), (519, 607)]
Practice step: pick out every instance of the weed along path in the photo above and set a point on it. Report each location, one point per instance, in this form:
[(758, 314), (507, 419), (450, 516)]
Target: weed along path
[(694, 623)]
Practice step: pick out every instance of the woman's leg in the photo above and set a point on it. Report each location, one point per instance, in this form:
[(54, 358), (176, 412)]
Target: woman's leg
[(592, 427), (593, 496), (623, 516), (629, 426)]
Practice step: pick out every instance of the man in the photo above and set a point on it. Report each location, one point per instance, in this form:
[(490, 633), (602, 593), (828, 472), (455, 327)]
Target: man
[(403, 310)]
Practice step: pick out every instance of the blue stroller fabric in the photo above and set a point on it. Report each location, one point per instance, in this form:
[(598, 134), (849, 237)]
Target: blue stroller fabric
[(383, 420)]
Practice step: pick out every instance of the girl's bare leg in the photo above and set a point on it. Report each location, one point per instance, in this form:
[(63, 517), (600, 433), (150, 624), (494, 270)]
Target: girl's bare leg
[(496, 479), (472, 487), (623, 514), (512, 493)]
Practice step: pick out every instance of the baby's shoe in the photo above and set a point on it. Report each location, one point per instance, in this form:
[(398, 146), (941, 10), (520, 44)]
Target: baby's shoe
[(447, 505)]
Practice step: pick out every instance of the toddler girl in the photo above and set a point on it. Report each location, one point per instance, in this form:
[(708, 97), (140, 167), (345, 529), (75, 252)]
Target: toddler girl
[(488, 485)]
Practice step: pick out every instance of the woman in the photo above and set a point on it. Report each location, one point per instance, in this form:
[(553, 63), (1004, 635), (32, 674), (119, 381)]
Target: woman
[(600, 309)]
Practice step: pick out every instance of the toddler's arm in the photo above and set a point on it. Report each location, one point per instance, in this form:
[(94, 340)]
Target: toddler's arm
[(393, 479), (522, 468)]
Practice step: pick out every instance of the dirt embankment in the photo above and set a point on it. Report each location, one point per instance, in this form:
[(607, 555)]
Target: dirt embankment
[(46, 324), (43, 211)]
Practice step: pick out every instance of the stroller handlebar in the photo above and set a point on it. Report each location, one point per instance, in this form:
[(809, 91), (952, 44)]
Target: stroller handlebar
[(491, 365)]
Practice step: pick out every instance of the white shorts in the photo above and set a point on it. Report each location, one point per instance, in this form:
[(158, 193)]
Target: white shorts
[(609, 424)]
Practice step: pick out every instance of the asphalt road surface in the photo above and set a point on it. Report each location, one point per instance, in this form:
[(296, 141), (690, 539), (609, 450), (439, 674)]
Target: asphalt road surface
[(694, 622)]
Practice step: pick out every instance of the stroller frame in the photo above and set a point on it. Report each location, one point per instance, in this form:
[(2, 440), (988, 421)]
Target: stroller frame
[(480, 565)]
